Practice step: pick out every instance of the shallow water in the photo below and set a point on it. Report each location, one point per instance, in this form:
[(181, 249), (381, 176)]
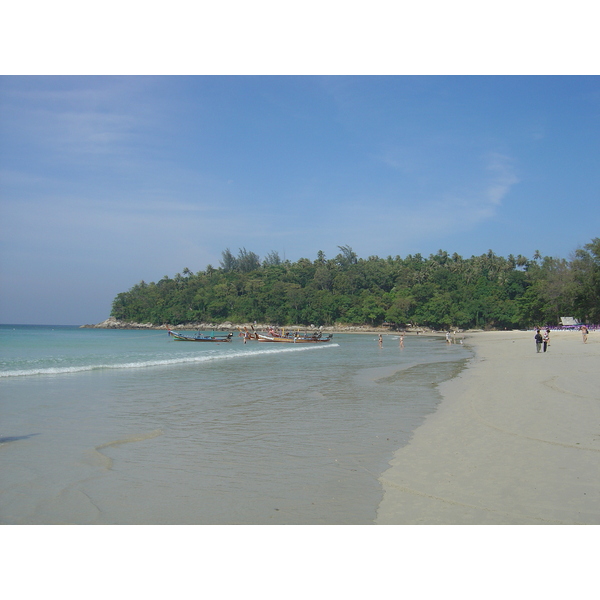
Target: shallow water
[(126, 427)]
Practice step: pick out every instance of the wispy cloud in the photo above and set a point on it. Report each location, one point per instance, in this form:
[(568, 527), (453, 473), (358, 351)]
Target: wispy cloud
[(77, 117), (93, 133), (502, 177), (477, 202), (440, 210)]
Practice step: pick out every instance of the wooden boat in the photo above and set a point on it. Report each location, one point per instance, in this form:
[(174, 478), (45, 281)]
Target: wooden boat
[(293, 337), (200, 338)]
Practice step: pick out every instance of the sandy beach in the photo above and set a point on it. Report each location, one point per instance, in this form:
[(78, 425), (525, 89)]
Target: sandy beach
[(515, 440)]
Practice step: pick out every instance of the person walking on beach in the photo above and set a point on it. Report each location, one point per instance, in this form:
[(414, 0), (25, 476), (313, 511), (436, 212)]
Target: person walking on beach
[(584, 333), (546, 338), (538, 341)]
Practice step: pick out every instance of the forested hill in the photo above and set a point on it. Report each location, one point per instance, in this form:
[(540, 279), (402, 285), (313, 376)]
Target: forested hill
[(440, 291)]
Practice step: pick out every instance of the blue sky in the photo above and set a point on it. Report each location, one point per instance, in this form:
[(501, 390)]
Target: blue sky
[(108, 180)]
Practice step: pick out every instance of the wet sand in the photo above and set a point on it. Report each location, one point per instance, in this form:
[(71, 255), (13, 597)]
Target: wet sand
[(515, 440)]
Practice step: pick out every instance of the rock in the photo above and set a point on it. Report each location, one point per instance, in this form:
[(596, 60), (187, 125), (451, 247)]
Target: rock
[(112, 323)]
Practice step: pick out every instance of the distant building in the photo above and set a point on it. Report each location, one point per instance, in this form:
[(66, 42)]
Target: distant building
[(569, 322)]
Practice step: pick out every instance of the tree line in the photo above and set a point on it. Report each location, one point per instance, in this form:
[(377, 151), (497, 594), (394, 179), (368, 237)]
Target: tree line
[(440, 291)]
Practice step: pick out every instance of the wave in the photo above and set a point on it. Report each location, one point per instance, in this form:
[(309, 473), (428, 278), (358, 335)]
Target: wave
[(157, 362)]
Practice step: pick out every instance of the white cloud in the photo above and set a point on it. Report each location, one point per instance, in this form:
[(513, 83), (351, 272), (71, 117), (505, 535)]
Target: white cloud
[(93, 133), (71, 118), (503, 177), (383, 222)]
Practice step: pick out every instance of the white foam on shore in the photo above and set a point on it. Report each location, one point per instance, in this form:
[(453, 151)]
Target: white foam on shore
[(159, 362)]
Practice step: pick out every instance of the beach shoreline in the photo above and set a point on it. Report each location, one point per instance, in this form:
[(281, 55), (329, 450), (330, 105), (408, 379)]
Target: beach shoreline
[(515, 439), (112, 323)]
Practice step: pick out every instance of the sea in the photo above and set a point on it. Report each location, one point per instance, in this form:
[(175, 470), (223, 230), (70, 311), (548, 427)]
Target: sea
[(103, 426)]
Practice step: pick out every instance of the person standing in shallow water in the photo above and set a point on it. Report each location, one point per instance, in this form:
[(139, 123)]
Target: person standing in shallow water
[(380, 341), (538, 341), (546, 338)]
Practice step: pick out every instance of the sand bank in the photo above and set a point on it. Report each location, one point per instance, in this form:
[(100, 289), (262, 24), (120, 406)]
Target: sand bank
[(515, 440)]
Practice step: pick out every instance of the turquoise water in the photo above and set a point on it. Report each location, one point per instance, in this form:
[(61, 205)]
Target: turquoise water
[(127, 427)]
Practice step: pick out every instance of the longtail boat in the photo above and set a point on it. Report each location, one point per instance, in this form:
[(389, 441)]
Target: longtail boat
[(200, 337), (293, 337)]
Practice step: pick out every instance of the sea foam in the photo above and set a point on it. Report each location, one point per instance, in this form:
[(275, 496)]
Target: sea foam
[(158, 362)]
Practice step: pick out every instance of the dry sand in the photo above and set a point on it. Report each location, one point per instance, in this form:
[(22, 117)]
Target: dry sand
[(515, 440)]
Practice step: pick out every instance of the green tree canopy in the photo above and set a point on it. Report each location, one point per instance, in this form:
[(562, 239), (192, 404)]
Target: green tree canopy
[(442, 291)]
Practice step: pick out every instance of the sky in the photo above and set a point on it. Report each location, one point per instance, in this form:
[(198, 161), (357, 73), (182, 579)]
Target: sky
[(251, 137)]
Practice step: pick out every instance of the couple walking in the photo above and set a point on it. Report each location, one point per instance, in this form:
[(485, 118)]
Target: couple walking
[(542, 339)]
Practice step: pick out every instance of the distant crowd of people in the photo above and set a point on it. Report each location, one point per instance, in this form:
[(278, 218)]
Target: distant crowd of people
[(569, 327), (450, 339), (542, 340), (542, 336)]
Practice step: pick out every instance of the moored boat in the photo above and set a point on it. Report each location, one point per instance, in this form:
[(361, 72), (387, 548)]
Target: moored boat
[(200, 337), (293, 337)]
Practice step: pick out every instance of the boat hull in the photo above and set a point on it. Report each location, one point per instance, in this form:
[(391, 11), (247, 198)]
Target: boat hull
[(206, 338), (292, 340)]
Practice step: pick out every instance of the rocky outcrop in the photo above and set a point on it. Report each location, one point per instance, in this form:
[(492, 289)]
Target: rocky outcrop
[(112, 323)]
